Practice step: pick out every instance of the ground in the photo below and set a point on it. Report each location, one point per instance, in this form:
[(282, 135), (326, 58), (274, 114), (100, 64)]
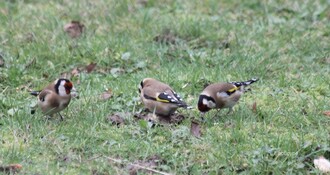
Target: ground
[(278, 127)]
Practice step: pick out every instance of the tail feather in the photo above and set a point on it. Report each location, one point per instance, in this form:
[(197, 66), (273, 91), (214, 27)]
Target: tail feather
[(244, 83), (182, 104)]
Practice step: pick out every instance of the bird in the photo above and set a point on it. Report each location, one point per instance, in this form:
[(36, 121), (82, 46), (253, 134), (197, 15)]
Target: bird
[(222, 95), (159, 97), (55, 97)]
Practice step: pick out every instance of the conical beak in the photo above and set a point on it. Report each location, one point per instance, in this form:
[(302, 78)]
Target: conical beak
[(74, 93)]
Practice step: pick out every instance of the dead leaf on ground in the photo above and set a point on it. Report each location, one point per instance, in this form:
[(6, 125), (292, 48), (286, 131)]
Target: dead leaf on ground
[(326, 113), (65, 75), (166, 37), (74, 29), (75, 72), (254, 107), (145, 116), (142, 2), (115, 119), (195, 129), (30, 37), (150, 163), (90, 67), (12, 168), (172, 119), (106, 95)]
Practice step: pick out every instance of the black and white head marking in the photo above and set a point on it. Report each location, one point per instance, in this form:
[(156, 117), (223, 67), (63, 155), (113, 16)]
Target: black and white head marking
[(60, 86), (205, 103)]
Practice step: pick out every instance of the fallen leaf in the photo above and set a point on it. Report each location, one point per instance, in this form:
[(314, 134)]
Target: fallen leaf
[(153, 118), (145, 116), (116, 119), (322, 164), (30, 37), (12, 168), (142, 2), (195, 129), (75, 72), (326, 113), (254, 107), (166, 37), (106, 95), (74, 29), (90, 67), (65, 75), (172, 119)]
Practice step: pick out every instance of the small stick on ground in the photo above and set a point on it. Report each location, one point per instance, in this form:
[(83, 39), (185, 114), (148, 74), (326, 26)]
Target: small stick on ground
[(138, 166)]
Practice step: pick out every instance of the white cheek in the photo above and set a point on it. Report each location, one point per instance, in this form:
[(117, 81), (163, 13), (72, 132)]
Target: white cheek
[(209, 104), (61, 89)]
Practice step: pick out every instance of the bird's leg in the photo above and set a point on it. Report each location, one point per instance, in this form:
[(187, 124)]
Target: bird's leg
[(216, 114), (61, 116), (230, 111)]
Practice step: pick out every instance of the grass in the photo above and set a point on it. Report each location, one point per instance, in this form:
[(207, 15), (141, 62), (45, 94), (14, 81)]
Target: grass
[(284, 43)]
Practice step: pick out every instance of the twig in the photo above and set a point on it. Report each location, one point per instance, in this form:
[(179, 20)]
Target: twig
[(136, 165), (95, 157)]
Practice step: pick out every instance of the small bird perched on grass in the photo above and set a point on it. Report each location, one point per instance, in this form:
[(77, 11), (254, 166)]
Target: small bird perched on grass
[(222, 95), (159, 97), (55, 97)]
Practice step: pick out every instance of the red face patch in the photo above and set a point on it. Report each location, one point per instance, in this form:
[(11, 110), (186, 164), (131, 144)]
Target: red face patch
[(68, 86)]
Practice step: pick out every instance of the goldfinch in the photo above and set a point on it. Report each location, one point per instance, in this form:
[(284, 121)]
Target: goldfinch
[(159, 97), (222, 95), (55, 97)]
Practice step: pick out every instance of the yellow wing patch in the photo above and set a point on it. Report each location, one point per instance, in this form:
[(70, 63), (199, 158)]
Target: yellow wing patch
[(232, 89), (162, 100)]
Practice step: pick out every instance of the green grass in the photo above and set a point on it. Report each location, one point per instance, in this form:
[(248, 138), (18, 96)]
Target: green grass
[(284, 43)]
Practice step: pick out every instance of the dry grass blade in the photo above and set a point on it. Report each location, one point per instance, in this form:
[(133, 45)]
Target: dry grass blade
[(136, 165), (254, 107)]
